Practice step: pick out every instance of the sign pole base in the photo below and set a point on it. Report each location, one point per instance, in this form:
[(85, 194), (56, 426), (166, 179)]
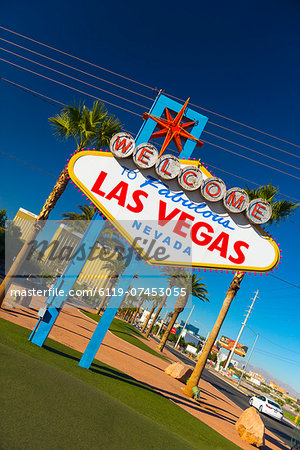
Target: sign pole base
[(45, 326)]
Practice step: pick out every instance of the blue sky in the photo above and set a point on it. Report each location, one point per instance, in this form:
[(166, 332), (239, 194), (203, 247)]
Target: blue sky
[(239, 60)]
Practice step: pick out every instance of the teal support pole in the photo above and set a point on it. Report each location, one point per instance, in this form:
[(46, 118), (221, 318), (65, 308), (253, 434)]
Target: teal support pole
[(107, 317), (44, 326)]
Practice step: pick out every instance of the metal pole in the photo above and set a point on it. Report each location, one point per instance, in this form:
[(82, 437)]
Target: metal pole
[(244, 370), (208, 333), (183, 328), (240, 333), (161, 324)]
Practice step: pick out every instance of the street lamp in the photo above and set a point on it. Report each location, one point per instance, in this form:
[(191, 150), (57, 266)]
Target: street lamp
[(184, 326)]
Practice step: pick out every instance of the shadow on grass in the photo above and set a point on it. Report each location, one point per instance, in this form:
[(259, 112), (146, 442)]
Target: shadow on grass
[(60, 353), (134, 357), (130, 328), (109, 372)]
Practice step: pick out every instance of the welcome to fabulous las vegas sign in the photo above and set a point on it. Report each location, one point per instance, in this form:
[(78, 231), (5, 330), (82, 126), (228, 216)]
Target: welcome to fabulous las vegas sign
[(173, 211)]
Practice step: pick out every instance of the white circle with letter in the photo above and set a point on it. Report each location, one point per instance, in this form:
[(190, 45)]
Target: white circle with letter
[(259, 211), (213, 189), (145, 156), (167, 167), (236, 200), (122, 145), (190, 178)]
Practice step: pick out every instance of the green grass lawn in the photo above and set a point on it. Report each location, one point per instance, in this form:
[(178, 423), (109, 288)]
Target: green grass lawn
[(127, 332), (49, 402), (291, 416)]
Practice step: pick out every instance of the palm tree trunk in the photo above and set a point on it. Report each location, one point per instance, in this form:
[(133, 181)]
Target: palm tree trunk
[(128, 319), (136, 312), (154, 320), (53, 198), (51, 201), (148, 318), (101, 304), (109, 287), (124, 312), (231, 293), (161, 305), (163, 341), (128, 311)]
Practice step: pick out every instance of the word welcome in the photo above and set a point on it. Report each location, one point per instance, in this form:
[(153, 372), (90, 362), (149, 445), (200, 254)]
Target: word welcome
[(190, 178)]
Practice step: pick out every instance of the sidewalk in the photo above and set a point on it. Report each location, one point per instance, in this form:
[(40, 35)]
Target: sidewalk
[(74, 329)]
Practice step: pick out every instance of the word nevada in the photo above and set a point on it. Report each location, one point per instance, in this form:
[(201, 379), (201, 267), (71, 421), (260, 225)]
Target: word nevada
[(190, 178)]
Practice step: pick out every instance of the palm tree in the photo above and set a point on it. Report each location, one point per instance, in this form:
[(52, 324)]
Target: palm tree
[(127, 301), (171, 273), (191, 285), (143, 298), (80, 220), (87, 127), (116, 268), (155, 303), (280, 211)]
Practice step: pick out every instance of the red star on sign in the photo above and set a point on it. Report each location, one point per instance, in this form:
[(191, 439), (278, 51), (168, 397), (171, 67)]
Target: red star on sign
[(172, 129)]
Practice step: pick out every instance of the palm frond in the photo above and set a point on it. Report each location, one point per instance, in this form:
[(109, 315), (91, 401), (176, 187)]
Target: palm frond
[(281, 209), (98, 114), (89, 127), (267, 192), (61, 126), (106, 130)]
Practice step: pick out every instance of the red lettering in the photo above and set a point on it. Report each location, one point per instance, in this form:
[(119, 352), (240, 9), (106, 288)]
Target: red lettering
[(240, 256), (143, 157), (138, 203), (223, 240), (122, 144), (183, 224), (257, 210), (164, 168), (98, 184), (206, 238), (188, 172), (208, 190), (122, 187), (235, 203), (162, 217)]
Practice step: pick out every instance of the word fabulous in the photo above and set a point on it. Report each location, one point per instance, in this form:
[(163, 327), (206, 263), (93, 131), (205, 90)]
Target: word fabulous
[(190, 178)]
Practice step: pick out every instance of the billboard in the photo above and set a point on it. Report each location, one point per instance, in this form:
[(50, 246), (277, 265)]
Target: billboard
[(227, 343), (172, 217)]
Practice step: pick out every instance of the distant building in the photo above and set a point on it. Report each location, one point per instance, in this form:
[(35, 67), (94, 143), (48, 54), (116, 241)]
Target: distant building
[(145, 316), (257, 377), (255, 381), (24, 220), (61, 247), (66, 240), (283, 391), (191, 328), (277, 388), (290, 398)]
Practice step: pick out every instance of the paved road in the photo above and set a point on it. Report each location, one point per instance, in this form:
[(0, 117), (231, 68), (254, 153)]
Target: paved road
[(282, 430)]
